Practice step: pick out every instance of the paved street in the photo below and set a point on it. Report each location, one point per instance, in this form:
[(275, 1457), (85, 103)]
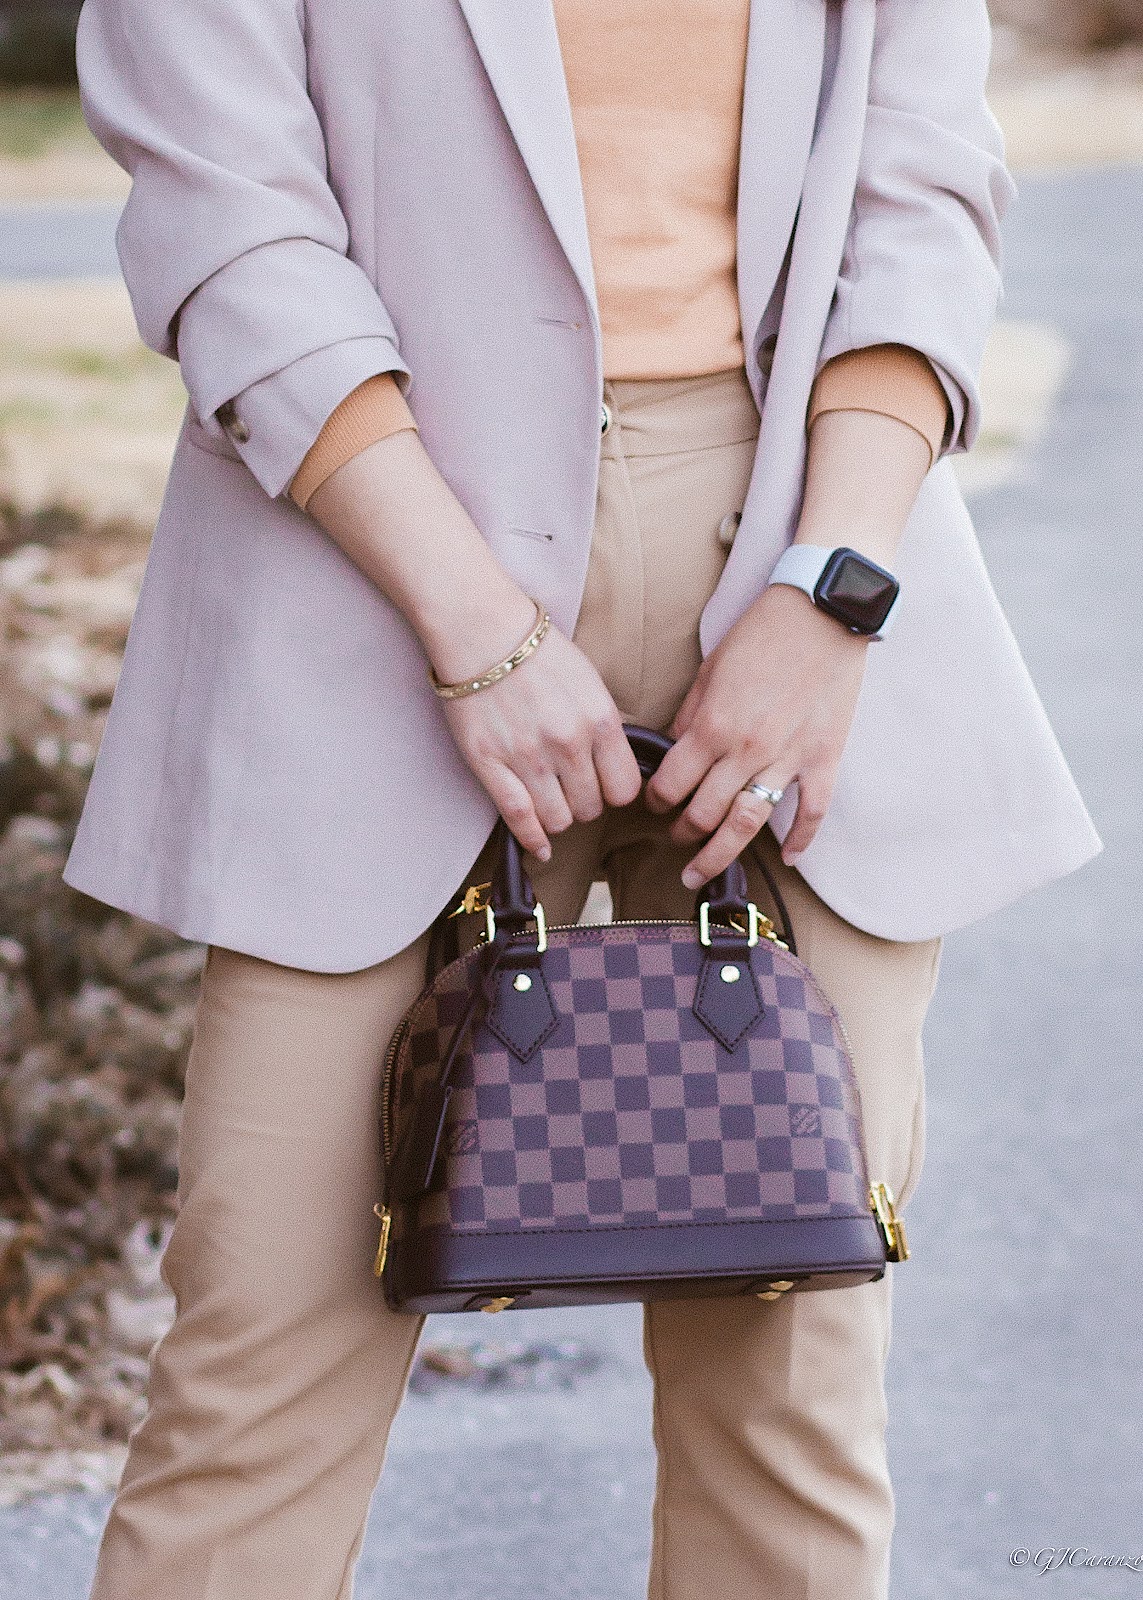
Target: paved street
[(1017, 1367), (68, 240)]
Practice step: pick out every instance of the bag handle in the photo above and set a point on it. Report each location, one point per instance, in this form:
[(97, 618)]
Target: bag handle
[(722, 907), (649, 749)]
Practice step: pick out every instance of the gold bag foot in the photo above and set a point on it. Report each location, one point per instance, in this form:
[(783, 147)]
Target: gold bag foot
[(891, 1225)]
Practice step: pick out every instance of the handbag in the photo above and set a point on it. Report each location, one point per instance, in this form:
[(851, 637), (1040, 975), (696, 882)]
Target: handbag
[(625, 1111)]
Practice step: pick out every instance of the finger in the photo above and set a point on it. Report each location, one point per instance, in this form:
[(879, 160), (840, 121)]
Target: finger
[(814, 791), (511, 798), (684, 716), (615, 763), (681, 771), (580, 785), (550, 801), (745, 818), (709, 804)]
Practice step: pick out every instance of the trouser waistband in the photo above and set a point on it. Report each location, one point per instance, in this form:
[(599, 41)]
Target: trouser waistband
[(661, 416)]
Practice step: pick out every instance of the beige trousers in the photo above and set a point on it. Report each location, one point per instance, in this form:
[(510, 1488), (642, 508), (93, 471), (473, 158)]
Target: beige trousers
[(272, 1396)]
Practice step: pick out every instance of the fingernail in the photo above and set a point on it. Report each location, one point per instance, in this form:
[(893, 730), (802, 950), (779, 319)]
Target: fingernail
[(691, 878), (545, 853)]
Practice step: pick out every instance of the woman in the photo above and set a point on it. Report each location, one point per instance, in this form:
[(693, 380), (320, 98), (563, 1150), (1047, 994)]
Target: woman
[(487, 309)]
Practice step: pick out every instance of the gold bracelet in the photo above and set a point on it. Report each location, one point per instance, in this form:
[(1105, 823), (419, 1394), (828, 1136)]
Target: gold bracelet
[(457, 691)]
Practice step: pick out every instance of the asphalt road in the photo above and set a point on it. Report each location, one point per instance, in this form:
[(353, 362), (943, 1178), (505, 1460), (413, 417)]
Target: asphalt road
[(1017, 1363), (74, 240)]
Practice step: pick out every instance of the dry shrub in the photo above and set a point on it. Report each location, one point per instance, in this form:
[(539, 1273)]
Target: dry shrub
[(1075, 24), (95, 1018)]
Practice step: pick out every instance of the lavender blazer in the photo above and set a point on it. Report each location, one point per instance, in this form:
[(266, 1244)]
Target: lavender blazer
[(324, 190)]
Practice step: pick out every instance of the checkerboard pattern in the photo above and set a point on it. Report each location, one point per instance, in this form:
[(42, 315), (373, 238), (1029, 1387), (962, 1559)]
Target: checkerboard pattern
[(630, 1112)]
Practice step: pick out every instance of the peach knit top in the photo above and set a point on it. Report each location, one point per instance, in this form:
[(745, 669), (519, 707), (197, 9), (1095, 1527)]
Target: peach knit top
[(656, 101), (656, 89)]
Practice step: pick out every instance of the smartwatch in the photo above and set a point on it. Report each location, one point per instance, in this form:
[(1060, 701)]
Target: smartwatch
[(844, 584)]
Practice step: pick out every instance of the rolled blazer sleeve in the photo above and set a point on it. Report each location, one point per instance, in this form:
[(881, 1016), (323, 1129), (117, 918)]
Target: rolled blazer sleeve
[(232, 243), (922, 258)]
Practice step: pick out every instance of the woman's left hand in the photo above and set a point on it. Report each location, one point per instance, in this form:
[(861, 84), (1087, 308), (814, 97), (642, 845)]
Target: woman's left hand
[(772, 703)]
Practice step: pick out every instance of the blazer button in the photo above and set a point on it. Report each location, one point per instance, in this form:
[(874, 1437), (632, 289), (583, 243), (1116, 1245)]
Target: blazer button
[(728, 527), (232, 422), (604, 419)]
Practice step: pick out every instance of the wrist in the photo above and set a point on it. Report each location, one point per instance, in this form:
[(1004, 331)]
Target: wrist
[(875, 537), (467, 629), (781, 606)]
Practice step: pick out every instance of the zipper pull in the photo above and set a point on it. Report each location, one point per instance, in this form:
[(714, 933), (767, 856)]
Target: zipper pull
[(768, 931), (475, 899), (383, 1244)]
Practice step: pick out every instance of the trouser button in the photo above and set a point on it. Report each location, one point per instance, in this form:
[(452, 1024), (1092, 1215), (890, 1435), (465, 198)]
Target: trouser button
[(604, 419)]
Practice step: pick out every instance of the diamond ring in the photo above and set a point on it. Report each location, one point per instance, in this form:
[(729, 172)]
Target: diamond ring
[(771, 796)]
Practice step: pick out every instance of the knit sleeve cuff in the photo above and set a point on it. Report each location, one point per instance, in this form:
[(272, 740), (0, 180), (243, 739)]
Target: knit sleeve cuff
[(374, 410), (890, 379)]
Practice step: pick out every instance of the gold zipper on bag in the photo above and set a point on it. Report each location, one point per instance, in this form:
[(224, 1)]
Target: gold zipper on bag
[(386, 1075)]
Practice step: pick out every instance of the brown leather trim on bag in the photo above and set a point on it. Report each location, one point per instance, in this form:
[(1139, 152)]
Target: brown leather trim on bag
[(559, 1264)]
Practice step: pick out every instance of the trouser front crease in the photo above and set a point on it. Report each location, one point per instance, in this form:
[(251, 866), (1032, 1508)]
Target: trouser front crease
[(272, 1396)]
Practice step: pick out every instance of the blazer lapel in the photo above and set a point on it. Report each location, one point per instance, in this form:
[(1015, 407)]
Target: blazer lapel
[(784, 58), (520, 48)]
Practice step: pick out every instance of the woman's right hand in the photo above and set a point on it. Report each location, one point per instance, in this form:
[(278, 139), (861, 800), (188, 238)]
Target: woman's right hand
[(547, 743)]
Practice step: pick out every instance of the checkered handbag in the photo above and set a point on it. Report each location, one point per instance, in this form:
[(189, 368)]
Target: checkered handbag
[(623, 1112)]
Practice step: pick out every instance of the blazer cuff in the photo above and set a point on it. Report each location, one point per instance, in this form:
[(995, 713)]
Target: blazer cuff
[(274, 423), (958, 436), (374, 410), (267, 309), (889, 379)]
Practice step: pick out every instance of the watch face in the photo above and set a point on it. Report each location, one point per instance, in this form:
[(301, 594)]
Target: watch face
[(856, 591)]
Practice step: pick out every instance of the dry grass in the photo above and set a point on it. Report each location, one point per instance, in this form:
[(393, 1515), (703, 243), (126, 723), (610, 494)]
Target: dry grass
[(47, 152), (88, 415), (1063, 112), (1024, 370), (1074, 24)]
